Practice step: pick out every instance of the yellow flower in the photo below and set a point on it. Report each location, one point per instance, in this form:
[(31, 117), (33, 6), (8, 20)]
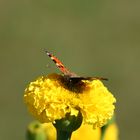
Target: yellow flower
[(111, 132), (84, 132), (50, 98), (50, 131)]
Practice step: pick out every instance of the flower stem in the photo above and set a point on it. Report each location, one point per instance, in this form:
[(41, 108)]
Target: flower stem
[(103, 129), (63, 135)]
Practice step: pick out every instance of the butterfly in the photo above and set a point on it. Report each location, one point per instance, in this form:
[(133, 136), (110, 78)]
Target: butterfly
[(70, 77)]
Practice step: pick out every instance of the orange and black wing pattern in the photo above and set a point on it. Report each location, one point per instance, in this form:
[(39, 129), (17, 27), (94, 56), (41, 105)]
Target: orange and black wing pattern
[(60, 65)]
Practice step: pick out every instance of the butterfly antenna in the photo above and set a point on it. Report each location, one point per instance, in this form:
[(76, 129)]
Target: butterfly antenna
[(48, 53)]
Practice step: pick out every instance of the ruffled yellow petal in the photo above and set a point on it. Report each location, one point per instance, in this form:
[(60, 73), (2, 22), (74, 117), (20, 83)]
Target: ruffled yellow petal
[(48, 99), (97, 104)]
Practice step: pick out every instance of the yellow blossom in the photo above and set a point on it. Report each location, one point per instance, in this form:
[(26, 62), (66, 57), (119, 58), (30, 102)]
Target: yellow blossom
[(111, 132), (86, 132), (50, 131), (49, 98)]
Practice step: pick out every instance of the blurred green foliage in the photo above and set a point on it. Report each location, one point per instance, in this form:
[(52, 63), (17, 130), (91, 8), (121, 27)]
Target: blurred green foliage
[(92, 38), (35, 131)]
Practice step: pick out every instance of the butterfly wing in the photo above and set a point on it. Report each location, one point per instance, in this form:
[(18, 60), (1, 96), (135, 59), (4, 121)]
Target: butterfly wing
[(70, 75), (87, 78), (60, 65)]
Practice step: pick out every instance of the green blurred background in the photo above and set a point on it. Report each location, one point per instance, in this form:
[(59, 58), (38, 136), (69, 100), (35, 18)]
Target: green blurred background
[(91, 37)]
